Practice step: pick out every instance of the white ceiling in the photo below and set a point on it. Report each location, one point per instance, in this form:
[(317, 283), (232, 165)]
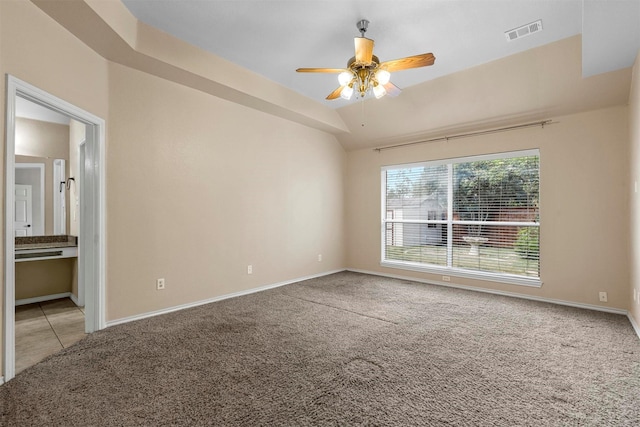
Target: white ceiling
[(274, 37)]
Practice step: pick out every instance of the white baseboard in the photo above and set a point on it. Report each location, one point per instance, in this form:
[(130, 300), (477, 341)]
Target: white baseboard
[(214, 299), (634, 324), (43, 298), (74, 299), (1, 380), (496, 292)]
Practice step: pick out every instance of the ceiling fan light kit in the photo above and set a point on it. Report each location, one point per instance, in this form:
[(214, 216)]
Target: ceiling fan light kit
[(365, 73)]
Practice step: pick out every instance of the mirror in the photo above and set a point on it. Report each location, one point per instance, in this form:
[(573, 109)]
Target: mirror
[(47, 147)]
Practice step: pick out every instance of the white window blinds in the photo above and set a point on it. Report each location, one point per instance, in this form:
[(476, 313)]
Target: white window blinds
[(475, 215)]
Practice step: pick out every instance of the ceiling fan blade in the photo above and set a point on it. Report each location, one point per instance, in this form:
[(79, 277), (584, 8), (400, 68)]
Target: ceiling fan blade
[(392, 90), (336, 93), (415, 61), (320, 70), (364, 50)]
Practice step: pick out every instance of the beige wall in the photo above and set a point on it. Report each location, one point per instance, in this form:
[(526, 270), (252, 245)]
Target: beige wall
[(583, 204), (41, 139), (634, 138), (199, 188)]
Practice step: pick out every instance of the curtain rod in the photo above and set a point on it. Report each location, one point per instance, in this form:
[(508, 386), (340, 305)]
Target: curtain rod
[(465, 135)]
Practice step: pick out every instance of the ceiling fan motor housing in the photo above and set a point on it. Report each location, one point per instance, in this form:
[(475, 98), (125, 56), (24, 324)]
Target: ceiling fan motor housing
[(363, 74)]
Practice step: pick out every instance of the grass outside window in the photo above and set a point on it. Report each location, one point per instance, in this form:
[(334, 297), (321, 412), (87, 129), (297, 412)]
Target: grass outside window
[(489, 259)]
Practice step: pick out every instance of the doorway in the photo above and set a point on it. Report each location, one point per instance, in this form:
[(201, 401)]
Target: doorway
[(91, 211)]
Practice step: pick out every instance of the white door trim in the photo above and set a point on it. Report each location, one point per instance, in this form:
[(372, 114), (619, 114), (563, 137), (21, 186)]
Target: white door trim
[(81, 267), (96, 128)]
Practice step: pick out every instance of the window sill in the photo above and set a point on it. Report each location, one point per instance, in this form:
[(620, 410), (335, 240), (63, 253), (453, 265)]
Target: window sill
[(467, 274)]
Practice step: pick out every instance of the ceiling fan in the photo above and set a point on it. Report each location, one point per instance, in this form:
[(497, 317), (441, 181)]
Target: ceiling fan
[(365, 73)]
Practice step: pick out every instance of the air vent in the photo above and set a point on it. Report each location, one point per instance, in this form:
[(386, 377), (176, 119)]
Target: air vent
[(525, 30)]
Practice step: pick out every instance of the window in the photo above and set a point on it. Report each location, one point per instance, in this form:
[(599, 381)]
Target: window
[(473, 217), (431, 215)]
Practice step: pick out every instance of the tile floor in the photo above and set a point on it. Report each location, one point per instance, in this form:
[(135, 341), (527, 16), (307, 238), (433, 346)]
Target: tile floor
[(45, 328)]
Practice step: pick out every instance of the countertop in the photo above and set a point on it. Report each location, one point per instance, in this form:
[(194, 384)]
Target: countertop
[(45, 242)]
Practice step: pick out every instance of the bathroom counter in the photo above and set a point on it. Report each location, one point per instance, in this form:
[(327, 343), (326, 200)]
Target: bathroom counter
[(25, 246), (35, 248)]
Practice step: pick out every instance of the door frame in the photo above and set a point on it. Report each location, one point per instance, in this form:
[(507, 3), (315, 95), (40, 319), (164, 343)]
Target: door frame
[(91, 254)]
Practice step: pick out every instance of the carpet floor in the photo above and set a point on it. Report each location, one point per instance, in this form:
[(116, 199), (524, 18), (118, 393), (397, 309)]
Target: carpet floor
[(344, 349)]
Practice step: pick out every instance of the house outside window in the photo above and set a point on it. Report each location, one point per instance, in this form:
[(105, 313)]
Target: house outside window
[(474, 217)]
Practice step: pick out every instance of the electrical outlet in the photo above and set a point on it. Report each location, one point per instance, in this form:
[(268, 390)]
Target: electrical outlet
[(319, 257), (250, 269), (603, 296), (446, 278), (160, 284)]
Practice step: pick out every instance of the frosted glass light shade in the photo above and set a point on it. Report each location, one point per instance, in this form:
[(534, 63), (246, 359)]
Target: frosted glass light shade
[(383, 76), (344, 78), (347, 92), (379, 91)]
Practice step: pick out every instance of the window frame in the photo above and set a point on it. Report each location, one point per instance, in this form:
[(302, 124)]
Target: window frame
[(449, 269)]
